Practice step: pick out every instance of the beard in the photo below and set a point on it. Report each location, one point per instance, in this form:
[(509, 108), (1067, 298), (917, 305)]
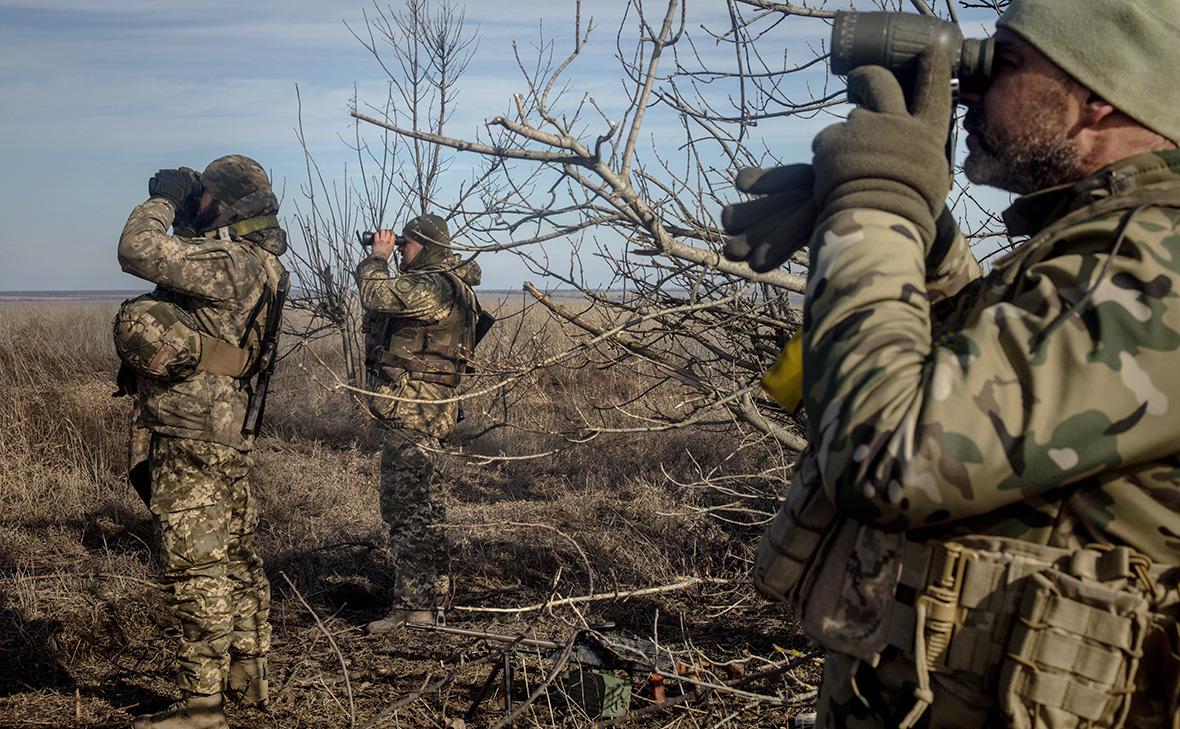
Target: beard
[(1030, 155)]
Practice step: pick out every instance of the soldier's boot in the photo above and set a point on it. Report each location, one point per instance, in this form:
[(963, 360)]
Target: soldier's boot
[(248, 682), (398, 618), (193, 712)]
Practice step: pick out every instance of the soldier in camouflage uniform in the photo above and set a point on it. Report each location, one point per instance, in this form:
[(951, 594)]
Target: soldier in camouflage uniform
[(986, 528), (420, 332), (218, 279)]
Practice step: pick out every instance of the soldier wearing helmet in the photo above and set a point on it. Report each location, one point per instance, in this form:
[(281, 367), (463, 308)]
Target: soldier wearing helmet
[(191, 352), (421, 330)]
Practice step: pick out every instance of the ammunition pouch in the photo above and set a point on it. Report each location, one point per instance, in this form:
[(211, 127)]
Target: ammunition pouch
[(443, 368), (158, 339), (795, 534), (1056, 635), (1074, 651)]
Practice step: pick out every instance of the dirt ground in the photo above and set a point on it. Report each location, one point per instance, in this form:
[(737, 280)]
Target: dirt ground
[(86, 641)]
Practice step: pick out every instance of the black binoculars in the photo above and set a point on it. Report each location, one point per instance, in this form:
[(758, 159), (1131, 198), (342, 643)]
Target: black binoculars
[(366, 239), (895, 40)]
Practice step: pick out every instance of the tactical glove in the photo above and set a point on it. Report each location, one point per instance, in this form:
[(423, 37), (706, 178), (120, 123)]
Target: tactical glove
[(178, 185), (766, 231), (885, 156)]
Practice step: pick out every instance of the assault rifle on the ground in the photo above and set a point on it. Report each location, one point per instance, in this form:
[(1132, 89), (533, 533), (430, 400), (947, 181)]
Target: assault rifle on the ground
[(592, 649), (593, 652), (267, 357)]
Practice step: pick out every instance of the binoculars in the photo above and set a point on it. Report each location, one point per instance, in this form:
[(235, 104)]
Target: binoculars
[(895, 40), (366, 239)]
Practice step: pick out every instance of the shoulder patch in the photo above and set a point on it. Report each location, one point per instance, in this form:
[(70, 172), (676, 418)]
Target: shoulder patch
[(403, 285)]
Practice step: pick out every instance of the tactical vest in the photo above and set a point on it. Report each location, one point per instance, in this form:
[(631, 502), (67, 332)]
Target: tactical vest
[(436, 352), (1053, 637)]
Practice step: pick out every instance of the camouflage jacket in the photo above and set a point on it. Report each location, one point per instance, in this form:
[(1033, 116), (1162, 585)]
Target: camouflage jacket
[(220, 283), (1035, 403), (423, 296)]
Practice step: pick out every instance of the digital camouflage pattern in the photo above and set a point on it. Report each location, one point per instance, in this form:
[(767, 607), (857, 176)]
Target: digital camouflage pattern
[(220, 595), (155, 340), (199, 462), (219, 284), (1038, 402), (410, 500), (410, 505)]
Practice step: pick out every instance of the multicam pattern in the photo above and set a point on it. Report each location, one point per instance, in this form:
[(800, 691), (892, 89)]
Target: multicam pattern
[(218, 283), (410, 501), (1037, 402), (1054, 371), (220, 594)]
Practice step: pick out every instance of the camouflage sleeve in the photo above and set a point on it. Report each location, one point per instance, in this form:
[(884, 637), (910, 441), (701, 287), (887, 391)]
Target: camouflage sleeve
[(412, 296), (1058, 374), (956, 269), (208, 269)]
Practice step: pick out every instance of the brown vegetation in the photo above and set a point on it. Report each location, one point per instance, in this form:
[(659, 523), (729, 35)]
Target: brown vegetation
[(85, 641)]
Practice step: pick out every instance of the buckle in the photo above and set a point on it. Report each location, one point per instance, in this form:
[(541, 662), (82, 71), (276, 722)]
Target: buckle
[(940, 600)]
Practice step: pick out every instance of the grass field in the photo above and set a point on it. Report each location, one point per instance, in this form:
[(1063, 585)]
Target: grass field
[(85, 640)]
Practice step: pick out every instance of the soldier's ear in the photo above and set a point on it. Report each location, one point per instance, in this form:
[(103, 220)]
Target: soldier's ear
[(1094, 112)]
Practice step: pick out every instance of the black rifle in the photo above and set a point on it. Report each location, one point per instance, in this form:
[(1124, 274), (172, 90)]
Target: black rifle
[(591, 650), (483, 324), (267, 357)]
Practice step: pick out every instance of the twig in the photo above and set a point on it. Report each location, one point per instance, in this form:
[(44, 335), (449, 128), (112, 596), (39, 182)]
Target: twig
[(682, 584), (561, 661), (335, 648), (91, 575), (728, 686)]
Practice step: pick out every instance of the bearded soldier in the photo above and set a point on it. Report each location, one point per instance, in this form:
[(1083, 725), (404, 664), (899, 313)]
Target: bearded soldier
[(421, 330), (986, 530), (193, 350)]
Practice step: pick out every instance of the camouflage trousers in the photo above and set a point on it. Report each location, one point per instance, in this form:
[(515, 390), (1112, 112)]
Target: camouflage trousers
[(206, 519), (410, 506)]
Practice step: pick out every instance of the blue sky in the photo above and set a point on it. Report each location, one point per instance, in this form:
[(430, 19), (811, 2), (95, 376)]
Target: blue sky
[(98, 94)]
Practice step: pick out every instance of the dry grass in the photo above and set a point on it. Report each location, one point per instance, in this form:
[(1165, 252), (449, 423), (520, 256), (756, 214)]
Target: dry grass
[(85, 640)]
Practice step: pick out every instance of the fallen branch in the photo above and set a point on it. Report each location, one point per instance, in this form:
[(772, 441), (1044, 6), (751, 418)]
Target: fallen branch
[(681, 585)]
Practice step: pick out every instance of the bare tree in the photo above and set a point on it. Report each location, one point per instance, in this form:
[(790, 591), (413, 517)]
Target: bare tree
[(594, 202), (423, 47)]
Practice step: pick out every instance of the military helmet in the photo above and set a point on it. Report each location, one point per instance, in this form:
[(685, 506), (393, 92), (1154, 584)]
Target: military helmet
[(233, 178), (428, 229), (156, 339)]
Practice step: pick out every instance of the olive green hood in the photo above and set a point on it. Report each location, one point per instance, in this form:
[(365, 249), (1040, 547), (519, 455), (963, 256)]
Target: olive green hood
[(1126, 51)]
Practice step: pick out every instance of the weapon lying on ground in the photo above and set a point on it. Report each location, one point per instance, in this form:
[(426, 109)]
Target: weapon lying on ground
[(593, 684), (267, 357)]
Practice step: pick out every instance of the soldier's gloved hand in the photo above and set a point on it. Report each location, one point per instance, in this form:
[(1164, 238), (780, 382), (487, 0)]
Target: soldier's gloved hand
[(177, 185), (887, 156), (764, 232)]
